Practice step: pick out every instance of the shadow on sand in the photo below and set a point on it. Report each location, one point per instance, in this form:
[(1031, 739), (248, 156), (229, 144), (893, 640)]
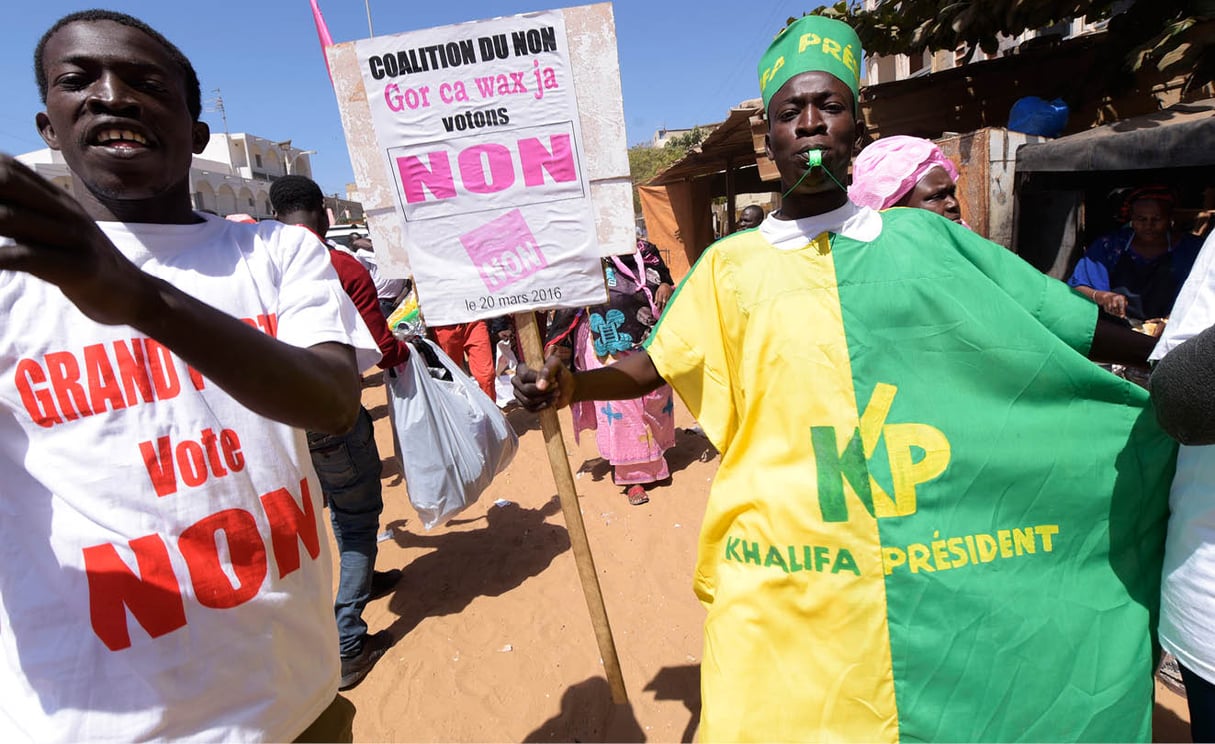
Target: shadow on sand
[(680, 683), (465, 565), (588, 714)]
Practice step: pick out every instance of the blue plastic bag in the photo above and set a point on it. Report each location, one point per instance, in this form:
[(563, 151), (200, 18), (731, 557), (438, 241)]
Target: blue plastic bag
[(1033, 115)]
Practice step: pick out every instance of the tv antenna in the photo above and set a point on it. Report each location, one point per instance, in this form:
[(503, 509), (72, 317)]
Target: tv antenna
[(216, 105)]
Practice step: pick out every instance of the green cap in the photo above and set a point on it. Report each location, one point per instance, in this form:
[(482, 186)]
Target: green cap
[(811, 44)]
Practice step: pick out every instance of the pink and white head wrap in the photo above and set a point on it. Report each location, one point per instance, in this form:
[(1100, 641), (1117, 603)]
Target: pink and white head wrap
[(888, 169)]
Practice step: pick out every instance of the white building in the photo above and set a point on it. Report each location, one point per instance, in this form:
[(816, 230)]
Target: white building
[(231, 176)]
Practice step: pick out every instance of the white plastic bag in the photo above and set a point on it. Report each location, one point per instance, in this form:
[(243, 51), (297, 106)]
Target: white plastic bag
[(450, 438)]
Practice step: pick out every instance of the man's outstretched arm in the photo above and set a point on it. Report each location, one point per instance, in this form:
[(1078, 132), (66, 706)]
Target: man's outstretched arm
[(1114, 343), (315, 388), (554, 385)]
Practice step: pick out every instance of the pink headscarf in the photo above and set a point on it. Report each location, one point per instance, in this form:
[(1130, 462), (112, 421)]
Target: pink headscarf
[(889, 168)]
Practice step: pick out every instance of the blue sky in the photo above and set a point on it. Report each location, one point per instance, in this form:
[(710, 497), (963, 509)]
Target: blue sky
[(682, 62)]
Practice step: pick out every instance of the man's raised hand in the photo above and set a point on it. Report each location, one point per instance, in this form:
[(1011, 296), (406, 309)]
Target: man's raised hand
[(53, 238)]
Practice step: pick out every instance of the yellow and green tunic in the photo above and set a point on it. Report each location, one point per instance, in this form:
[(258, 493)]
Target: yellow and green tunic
[(934, 518)]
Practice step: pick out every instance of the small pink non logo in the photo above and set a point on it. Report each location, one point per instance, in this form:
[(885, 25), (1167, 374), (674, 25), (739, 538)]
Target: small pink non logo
[(504, 250)]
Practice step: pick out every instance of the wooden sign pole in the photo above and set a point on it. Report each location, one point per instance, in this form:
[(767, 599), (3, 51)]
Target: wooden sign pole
[(558, 459)]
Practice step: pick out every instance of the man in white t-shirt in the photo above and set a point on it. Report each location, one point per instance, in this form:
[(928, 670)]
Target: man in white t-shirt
[(1183, 389), (165, 573)]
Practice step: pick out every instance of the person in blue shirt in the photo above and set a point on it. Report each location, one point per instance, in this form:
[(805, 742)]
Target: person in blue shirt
[(1136, 271)]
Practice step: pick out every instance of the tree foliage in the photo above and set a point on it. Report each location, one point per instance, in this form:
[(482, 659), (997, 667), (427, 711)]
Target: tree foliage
[(1175, 36), (646, 161), (688, 140)]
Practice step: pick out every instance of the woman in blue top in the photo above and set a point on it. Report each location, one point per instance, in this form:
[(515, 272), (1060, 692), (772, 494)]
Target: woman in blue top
[(1136, 271)]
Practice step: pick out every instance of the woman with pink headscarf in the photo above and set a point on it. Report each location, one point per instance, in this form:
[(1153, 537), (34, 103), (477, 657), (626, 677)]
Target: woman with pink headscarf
[(900, 171)]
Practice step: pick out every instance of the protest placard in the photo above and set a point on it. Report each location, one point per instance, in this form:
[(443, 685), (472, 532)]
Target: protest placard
[(500, 205), (491, 162)]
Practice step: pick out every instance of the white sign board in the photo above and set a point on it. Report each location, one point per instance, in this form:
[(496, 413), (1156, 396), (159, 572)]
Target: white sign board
[(479, 130)]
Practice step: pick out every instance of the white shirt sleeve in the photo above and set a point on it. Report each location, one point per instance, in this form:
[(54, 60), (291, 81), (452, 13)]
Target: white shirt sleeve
[(312, 306)]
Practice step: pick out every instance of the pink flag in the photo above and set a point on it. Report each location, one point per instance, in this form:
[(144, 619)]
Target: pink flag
[(322, 33)]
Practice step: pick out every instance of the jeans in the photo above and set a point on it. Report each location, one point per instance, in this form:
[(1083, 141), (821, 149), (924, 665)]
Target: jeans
[(348, 468), (1200, 695)]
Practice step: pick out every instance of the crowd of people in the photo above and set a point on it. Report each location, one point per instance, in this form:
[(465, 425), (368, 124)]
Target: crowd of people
[(923, 475)]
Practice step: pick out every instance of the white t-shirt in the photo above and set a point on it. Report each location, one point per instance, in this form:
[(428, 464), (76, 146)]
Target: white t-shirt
[(1187, 598), (165, 570)]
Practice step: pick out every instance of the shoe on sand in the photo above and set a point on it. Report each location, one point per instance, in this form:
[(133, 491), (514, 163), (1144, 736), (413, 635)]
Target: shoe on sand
[(353, 670)]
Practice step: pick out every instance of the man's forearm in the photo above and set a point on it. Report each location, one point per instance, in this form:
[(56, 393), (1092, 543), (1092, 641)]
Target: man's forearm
[(631, 377), (1117, 344), (315, 388)]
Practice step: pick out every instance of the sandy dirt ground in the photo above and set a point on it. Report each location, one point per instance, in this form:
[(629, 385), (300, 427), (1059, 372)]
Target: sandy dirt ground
[(494, 640)]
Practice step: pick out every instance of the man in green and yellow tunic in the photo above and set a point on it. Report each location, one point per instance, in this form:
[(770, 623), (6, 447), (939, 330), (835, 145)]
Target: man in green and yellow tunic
[(935, 519)]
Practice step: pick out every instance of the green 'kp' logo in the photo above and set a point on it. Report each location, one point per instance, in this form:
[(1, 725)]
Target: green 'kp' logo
[(846, 469)]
